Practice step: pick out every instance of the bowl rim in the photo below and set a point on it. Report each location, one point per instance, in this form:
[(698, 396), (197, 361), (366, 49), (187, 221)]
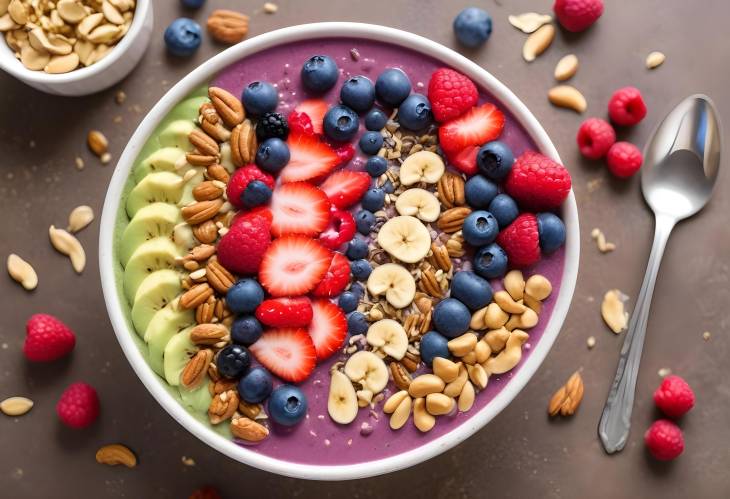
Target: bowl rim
[(203, 74), (10, 64)]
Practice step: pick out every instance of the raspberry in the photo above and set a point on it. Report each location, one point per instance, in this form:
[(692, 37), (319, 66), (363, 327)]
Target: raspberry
[(451, 94), (674, 396), (664, 440), (521, 241), (47, 338), (242, 248), (624, 159), (626, 106), (537, 182), (78, 406), (577, 15), (595, 137), (240, 180)]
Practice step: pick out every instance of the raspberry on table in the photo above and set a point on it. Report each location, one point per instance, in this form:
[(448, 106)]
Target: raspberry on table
[(624, 159), (674, 396), (577, 15), (664, 440), (626, 106), (595, 137), (78, 406), (47, 338)]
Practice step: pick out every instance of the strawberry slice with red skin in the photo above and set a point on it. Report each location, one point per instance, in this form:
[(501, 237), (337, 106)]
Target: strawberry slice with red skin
[(314, 109), (345, 188), (299, 208), (336, 279), (474, 128), (328, 328), (285, 312), (309, 158), (300, 123), (287, 352), (465, 161), (293, 266), (339, 231)]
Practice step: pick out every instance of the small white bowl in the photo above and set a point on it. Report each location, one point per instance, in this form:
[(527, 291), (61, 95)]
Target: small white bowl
[(102, 75), (202, 75)]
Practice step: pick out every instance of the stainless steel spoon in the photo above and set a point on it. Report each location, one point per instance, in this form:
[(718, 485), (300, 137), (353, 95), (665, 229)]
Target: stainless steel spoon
[(681, 162)]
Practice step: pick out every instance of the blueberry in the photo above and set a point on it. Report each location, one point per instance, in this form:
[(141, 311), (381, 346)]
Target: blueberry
[(451, 317), (319, 73), (192, 4), (358, 93), (471, 290), (364, 221), (255, 385), (356, 323), (341, 123), (551, 230), (348, 301), (434, 345), (233, 361), (357, 248), (183, 37), (375, 120), (392, 87), (490, 261), (388, 187), (472, 26), (374, 199), (504, 209), (272, 155), (272, 125), (260, 97), (360, 269), (246, 330), (287, 405), (376, 166), (357, 289), (255, 194), (480, 228), (479, 191), (415, 112), (244, 296), (495, 159), (371, 142)]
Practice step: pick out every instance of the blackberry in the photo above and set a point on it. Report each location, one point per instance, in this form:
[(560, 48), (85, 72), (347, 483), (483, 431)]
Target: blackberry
[(272, 125)]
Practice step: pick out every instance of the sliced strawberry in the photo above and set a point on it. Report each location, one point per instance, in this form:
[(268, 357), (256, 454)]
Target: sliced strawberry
[(475, 128), (293, 266), (344, 151), (288, 353), (336, 279), (315, 109), (309, 158), (345, 188), (465, 160), (328, 328), (300, 123), (299, 208), (285, 312), (260, 211), (339, 231)]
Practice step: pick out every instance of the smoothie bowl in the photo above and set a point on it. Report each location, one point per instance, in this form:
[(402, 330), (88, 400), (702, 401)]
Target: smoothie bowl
[(337, 250)]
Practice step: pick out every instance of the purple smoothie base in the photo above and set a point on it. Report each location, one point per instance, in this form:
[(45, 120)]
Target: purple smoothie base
[(317, 440)]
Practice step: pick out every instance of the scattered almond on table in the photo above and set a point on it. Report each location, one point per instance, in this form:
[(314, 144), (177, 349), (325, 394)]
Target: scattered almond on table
[(116, 454), (568, 397)]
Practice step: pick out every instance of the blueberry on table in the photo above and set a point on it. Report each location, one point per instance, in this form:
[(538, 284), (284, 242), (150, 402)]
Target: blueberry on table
[(495, 160), (364, 221), (451, 317), (392, 87), (360, 269), (348, 301), (357, 248), (551, 230), (480, 228), (371, 142), (375, 120), (233, 361), (472, 27), (415, 113), (244, 296), (256, 194), (319, 73), (504, 209), (272, 155), (356, 323), (376, 166), (358, 93), (246, 330), (479, 192), (260, 97), (434, 345), (374, 199), (490, 261), (192, 4), (183, 37), (255, 385), (473, 291), (287, 405), (272, 125), (341, 123)]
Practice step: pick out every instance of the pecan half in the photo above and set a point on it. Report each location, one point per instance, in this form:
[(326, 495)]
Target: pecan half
[(218, 172), (201, 211), (423, 302), (218, 276), (208, 334), (196, 369), (401, 377), (201, 252), (429, 285), (204, 312), (204, 143), (248, 429), (243, 143), (248, 409), (216, 130), (440, 257), (208, 113), (411, 361), (451, 190), (455, 248), (227, 26), (196, 295), (206, 233), (223, 406), (567, 399), (453, 219), (196, 158), (227, 105), (208, 190)]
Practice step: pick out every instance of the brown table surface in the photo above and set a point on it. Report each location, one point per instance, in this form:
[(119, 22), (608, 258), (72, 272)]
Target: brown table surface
[(521, 453)]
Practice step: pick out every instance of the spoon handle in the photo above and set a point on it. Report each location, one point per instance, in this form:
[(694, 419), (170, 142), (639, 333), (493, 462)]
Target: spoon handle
[(616, 418)]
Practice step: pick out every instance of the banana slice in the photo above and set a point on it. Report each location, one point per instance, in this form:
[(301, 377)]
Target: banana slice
[(389, 336), (154, 220), (155, 291), (176, 134), (342, 400), (367, 369), (419, 203), (162, 160), (405, 238), (156, 254), (165, 324), (395, 282), (165, 187), (423, 166)]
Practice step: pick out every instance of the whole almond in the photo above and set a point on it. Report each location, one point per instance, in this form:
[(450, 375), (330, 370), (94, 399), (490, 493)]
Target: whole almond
[(227, 26), (223, 406), (201, 211), (207, 191), (566, 67), (568, 97), (218, 172), (116, 454), (208, 334), (248, 429), (227, 105)]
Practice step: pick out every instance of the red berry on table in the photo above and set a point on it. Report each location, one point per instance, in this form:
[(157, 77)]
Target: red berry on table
[(624, 159), (336, 279), (328, 328), (339, 231), (521, 241), (242, 248), (285, 312), (664, 440), (451, 94), (345, 188), (47, 338), (476, 127), (299, 208), (577, 15), (626, 106), (293, 266), (240, 180), (595, 137), (537, 182), (310, 158), (314, 110), (674, 396), (288, 353), (78, 406)]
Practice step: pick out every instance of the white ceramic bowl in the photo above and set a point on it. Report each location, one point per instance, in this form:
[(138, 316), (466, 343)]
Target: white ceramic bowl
[(202, 75), (102, 75)]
